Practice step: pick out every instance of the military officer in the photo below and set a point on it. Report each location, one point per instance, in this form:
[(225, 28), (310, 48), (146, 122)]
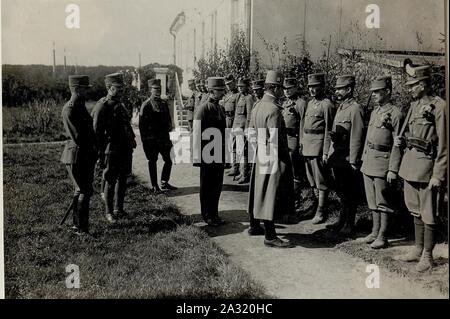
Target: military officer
[(381, 160), (210, 117), (424, 163), (155, 124), (229, 103), (199, 94), (240, 124), (190, 105), (80, 152), (271, 180), (293, 111), (344, 156), (117, 141), (258, 89), (315, 139)]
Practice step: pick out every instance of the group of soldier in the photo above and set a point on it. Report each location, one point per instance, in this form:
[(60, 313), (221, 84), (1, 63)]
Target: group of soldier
[(329, 146), (319, 143)]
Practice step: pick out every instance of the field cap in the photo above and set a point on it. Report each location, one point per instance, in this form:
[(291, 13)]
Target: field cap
[(316, 79), (344, 81), (419, 73), (79, 80), (273, 77), (381, 82), (216, 83), (114, 79)]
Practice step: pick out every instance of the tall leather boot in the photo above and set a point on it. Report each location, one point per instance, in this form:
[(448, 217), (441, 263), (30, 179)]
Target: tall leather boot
[(426, 260), (381, 241), (416, 253), (75, 212), (376, 223), (109, 202), (83, 211), (321, 214), (349, 225), (119, 197)]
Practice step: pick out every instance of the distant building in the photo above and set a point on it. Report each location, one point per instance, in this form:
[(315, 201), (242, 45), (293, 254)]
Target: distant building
[(405, 25)]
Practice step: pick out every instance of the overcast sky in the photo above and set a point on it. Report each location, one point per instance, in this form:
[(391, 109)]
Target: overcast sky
[(112, 32)]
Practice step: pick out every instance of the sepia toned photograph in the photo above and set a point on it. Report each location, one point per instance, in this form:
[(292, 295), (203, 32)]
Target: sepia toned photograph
[(235, 151)]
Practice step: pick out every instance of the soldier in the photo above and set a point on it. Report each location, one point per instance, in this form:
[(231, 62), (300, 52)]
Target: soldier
[(315, 139), (240, 124), (190, 106), (271, 181), (117, 141), (210, 117), (199, 94), (293, 111), (381, 160), (229, 103), (347, 141), (155, 124), (258, 89), (80, 152), (424, 164)]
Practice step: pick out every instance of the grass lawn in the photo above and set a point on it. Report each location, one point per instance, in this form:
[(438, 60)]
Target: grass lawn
[(156, 254)]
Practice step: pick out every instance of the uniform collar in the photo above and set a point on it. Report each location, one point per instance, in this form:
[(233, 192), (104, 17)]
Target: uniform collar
[(346, 103), (387, 107), (269, 97)]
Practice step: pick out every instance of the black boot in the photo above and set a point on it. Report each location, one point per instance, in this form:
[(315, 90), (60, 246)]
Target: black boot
[(381, 241), (75, 212), (416, 253), (349, 225), (426, 260), (83, 209), (119, 197), (376, 223), (152, 171)]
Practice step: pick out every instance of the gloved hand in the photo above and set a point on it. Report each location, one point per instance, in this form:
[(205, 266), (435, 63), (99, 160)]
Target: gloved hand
[(399, 141), (391, 177), (434, 183)]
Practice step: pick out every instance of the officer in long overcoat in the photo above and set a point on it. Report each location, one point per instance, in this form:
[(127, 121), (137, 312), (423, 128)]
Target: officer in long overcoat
[(271, 183)]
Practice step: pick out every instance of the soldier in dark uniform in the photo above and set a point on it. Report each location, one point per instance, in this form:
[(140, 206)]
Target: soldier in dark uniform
[(117, 141), (155, 124), (347, 142), (424, 163), (210, 117), (315, 139), (293, 111), (229, 104), (381, 160), (80, 152), (258, 89), (190, 105), (270, 193), (240, 124)]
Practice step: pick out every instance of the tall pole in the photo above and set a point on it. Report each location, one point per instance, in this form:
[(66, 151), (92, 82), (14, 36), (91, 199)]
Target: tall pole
[(54, 61), (140, 64), (65, 62), (340, 23), (304, 29)]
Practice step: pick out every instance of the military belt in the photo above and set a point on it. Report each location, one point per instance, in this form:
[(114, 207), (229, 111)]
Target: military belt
[(420, 145), (317, 132), (379, 147)]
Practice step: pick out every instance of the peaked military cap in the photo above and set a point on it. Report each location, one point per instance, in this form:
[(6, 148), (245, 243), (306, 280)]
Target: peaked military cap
[(79, 80), (381, 82), (316, 79), (154, 83), (289, 82), (229, 78), (217, 83), (419, 73), (273, 77), (344, 80), (243, 82), (114, 79), (258, 84)]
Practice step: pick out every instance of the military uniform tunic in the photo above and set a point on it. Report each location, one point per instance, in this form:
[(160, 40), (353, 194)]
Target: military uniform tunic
[(380, 156), (346, 150), (425, 156), (315, 139), (229, 103)]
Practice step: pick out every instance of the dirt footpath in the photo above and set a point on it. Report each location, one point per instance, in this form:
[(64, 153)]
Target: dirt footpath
[(313, 269)]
